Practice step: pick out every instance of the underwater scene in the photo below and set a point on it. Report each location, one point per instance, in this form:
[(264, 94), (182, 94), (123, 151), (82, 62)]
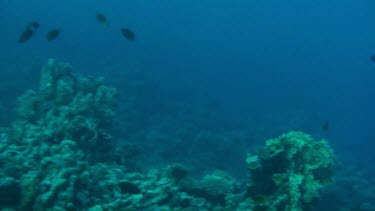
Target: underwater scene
[(187, 105)]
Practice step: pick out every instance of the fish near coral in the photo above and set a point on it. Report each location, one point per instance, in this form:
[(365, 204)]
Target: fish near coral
[(26, 35), (52, 34), (128, 34), (29, 32)]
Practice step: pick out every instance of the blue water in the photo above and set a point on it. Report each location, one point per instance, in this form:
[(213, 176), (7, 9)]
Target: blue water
[(272, 66)]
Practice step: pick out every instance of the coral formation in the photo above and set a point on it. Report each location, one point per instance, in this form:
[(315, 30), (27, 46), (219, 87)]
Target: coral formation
[(61, 129), (60, 155), (66, 109), (289, 171)]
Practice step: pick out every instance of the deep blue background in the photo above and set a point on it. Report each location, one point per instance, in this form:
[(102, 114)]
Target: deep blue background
[(274, 61)]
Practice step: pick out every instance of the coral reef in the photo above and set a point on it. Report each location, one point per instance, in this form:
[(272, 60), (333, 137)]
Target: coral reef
[(62, 128), (289, 171), (60, 155), (66, 109)]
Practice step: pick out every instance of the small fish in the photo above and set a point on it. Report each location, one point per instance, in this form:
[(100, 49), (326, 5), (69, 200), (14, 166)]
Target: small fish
[(29, 32), (326, 126), (26, 35), (52, 34), (101, 19), (372, 58), (128, 34), (34, 24)]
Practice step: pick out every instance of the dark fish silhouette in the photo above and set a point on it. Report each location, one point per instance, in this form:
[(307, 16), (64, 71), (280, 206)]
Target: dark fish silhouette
[(128, 34), (29, 32), (101, 19), (26, 35), (372, 58), (34, 24), (326, 126), (52, 34)]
